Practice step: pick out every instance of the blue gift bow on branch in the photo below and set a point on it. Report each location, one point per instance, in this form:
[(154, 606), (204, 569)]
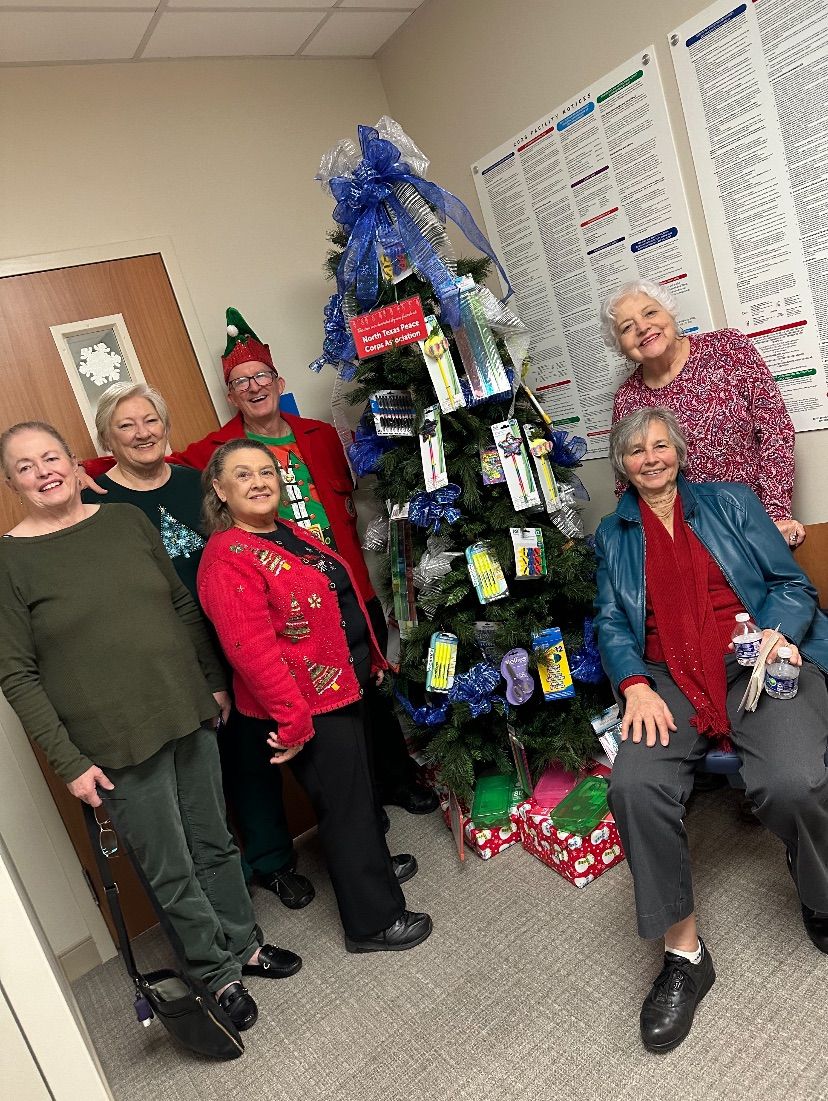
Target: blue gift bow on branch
[(338, 347), (428, 715), (432, 508), (363, 200), (585, 665), (567, 450), (368, 448), (476, 688)]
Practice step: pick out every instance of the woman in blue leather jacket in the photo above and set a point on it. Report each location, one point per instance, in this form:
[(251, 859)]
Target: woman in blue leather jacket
[(676, 563)]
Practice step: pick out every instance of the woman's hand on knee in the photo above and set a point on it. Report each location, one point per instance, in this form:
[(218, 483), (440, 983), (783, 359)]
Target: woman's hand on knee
[(85, 786), (646, 716), (284, 753)]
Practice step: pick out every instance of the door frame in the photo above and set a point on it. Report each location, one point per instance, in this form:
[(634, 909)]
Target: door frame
[(123, 250)]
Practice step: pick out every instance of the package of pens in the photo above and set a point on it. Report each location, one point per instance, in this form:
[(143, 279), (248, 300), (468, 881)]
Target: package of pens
[(486, 572), (553, 664), (476, 344), (515, 462), (540, 448), (530, 554), (393, 412), (441, 368), (442, 658), (433, 457)]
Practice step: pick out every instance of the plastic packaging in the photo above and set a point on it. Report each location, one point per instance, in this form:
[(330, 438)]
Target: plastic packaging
[(746, 638), (494, 797), (782, 678), (583, 808)]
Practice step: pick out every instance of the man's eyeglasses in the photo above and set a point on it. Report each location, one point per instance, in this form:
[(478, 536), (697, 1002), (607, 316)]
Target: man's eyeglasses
[(242, 383), (108, 839)]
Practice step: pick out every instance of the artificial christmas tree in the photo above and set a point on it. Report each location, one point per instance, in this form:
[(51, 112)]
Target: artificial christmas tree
[(486, 557)]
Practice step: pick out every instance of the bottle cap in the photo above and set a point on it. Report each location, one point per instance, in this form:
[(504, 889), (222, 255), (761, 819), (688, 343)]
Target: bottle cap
[(742, 617), (783, 652)]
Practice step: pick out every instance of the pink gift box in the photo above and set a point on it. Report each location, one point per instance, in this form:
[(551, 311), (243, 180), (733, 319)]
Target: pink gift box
[(556, 782), (486, 841), (579, 859)]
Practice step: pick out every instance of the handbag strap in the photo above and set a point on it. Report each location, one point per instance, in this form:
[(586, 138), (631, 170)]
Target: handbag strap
[(111, 889)]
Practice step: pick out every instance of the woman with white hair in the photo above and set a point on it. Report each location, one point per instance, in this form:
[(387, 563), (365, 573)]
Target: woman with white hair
[(719, 389)]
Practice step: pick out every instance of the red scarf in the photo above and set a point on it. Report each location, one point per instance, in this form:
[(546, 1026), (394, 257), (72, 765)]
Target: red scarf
[(677, 585)]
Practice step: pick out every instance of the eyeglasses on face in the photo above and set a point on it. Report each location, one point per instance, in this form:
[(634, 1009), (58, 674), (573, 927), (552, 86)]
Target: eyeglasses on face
[(242, 383)]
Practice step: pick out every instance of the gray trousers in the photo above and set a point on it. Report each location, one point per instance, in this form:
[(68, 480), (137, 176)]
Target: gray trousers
[(169, 812), (782, 745)]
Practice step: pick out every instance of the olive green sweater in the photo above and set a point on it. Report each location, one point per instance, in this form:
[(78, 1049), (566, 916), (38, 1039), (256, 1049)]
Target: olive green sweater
[(103, 653)]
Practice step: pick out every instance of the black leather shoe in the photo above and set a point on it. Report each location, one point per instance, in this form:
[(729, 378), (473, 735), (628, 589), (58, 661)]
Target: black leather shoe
[(239, 1006), (816, 924), (274, 963), (415, 799), (667, 1012), (294, 890), (406, 932), (405, 866)]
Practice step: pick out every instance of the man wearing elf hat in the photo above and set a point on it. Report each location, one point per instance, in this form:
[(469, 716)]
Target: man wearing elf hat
[(318, 486)]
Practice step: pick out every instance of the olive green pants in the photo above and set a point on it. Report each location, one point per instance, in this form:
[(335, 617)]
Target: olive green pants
[(169, 813)]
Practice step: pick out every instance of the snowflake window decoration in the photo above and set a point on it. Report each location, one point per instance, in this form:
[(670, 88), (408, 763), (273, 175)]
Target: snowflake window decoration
[(100, 364)]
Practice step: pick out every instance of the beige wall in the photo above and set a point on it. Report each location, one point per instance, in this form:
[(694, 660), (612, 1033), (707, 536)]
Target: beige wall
[(462, 76)]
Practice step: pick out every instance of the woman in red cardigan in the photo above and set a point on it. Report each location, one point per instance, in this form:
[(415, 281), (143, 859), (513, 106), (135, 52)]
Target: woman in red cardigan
[(294, 627)]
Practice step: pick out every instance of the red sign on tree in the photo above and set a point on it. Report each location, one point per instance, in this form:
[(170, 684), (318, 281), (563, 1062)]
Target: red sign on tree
[(388, 327)]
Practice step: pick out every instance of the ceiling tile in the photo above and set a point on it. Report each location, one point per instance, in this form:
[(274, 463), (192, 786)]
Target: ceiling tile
[(354, 33), (30, 36), (230, 34), (275, 5)]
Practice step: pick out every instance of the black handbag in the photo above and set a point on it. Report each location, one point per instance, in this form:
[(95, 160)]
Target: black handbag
[(182, 1004)]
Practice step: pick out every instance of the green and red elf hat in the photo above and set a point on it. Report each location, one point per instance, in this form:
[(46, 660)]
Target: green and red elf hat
[(243, 346)]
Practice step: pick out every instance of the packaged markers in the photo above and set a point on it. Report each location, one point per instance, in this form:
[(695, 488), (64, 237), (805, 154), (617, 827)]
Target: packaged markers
[(486, 572), (441, 368), (553, 664), (393, 412), (530, 555), (607, 727), (519, 480), (433, 458), (539, 448), (442, 658)]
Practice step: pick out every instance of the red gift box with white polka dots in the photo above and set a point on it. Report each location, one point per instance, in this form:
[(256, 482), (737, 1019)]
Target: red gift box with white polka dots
[(579, 859)]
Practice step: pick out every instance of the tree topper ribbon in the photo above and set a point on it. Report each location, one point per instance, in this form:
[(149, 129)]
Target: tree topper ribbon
[(375, 202), (432, 508)]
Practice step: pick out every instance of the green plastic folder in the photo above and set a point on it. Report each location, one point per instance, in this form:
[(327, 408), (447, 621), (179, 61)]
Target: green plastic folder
[(584, 807), (494, 797)]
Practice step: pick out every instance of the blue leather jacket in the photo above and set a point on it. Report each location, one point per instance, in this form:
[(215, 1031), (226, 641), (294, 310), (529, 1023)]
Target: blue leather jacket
[(729, 520)]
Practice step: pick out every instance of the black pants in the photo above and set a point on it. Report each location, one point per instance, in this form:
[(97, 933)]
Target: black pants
[(333, 769), (393, 767)]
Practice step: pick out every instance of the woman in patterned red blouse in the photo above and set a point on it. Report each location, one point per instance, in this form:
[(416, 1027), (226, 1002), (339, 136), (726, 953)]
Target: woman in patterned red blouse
[(719, 389)]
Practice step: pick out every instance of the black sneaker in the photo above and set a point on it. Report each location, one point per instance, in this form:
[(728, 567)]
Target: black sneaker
[(667, 1012)]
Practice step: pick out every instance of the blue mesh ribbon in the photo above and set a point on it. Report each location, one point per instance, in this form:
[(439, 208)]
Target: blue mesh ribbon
[(585, 664), (427, 509), (368, 448), (476, 688), (428, 715), (567, 450), (365, 203), (338, 346)]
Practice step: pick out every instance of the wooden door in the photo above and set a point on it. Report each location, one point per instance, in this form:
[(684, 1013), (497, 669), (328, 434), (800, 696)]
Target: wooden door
[(34, 386)]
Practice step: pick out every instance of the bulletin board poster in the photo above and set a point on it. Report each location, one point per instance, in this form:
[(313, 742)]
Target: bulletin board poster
[(582, 200), (753, 80)]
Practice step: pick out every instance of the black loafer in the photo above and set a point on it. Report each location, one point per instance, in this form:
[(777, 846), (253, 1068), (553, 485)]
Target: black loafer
[(816, 924), (405, 866), (239, 1006), (406, 932), (667, 1012), (415, 799), (295, 891), (274, 963)]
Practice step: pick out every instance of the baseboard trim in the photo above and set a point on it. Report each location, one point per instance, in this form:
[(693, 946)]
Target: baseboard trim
[(77, 961)]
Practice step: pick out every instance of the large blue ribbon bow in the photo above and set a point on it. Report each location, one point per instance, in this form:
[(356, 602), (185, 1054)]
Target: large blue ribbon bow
[(432, 508), (567, 450), (430, 714), (476, 688), (585, 664), (365, 203), (368, 448), (338, 346)]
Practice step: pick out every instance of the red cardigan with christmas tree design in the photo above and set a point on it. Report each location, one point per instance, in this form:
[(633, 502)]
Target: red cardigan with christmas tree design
[(281, 628)]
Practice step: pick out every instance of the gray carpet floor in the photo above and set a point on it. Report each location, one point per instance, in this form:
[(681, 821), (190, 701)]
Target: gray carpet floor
[(528, 989)]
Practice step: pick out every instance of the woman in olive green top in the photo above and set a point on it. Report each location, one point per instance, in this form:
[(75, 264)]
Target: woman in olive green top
[(107, 662)]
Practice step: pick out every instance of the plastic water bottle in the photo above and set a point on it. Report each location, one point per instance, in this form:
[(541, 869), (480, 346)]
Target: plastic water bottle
[(747, 639), (782, 678)]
